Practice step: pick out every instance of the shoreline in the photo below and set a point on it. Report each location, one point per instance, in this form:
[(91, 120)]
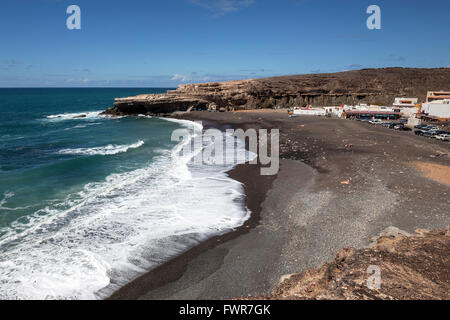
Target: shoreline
[(304, 215), (173, 269)]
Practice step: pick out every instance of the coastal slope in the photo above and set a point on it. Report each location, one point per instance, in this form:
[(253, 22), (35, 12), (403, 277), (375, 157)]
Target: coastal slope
[(376, 86)]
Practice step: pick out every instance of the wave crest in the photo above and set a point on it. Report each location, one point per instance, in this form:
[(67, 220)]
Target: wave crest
[(74, 116), (105, 150)]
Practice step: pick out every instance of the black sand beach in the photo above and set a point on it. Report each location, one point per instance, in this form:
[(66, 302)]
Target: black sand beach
[(304, 215)]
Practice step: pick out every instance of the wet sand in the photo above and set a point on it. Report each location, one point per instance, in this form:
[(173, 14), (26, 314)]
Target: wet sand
[(304, 215)]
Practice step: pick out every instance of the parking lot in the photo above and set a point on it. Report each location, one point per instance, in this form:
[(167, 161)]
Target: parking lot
[(431, 131)]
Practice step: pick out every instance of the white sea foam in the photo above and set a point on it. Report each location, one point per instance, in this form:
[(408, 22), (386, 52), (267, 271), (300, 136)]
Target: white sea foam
[(75, 116), (82, 126), (7, 195), (105, 150), (111, 232)]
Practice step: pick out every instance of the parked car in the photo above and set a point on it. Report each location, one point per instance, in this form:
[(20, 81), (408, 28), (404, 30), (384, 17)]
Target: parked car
[(437, 132), (401, 127), (419, 132), (392, 125), (443, 137), (420, 126), (375, 121), (427, 134)]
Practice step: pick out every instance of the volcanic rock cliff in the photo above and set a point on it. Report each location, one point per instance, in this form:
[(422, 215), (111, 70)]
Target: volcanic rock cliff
[(376, 86)]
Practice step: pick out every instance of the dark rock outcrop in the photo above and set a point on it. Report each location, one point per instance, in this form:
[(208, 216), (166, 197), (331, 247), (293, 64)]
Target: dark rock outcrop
[(375, 86), (155, 104)]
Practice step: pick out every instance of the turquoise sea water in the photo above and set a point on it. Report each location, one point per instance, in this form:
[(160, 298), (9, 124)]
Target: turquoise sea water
[(89, 202), (42, 143)]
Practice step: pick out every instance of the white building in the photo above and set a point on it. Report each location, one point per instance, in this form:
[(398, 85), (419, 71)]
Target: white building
[(437, 108), (365, 107), (405, 102), (337, 111), (309, 112), (437, 96)]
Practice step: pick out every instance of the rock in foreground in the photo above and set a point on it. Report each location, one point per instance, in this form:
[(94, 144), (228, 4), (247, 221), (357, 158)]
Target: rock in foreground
[(412, 267)]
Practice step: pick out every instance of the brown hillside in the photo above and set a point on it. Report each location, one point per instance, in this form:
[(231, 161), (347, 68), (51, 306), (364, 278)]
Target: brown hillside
[(376, 86)]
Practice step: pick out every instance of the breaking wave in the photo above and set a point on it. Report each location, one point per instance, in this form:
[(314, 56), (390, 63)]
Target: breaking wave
[(105, 150), (75, 116)]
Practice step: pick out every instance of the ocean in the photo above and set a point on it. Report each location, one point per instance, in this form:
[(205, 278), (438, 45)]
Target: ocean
[(89, 203)]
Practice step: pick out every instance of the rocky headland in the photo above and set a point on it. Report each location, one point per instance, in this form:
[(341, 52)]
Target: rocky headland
[(376, 86)]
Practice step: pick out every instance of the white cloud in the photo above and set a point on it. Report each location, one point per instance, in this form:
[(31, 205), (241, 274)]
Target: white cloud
[(179, 77), (221, 7), (193, 78)]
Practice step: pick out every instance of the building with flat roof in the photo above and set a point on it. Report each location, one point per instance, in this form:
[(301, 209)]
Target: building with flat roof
[(367, 114), (309, 111), (438, 109), (437, 95), (405, 102)]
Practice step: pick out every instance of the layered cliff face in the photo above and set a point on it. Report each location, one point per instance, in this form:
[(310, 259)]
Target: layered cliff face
[(375, 86), (156, 104)]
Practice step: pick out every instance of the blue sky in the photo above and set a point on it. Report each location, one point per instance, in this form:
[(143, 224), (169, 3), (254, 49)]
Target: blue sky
[(165, 43)]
